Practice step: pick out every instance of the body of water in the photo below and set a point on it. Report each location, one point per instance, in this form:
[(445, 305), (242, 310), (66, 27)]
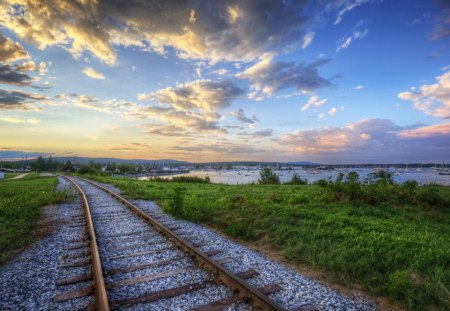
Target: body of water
[(234, 177)]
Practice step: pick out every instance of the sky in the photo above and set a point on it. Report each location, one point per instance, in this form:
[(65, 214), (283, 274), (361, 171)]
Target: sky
[(338, 81)]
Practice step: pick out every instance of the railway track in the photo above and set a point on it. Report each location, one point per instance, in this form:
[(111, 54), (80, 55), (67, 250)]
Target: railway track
[(138, 261)]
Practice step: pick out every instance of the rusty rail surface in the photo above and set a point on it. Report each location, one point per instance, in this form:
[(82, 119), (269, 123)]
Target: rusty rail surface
[(101, 298), (244, 291)]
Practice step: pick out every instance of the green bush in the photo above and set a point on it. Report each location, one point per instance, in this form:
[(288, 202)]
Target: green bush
[(268, 177), (191, 179), (296, 180)]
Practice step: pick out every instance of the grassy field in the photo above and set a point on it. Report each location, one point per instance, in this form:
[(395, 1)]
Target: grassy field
[(399, 251), (10, 175), (20, 208)]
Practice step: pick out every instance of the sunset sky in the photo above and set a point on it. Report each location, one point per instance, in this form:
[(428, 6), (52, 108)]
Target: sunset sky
[(331, 81)]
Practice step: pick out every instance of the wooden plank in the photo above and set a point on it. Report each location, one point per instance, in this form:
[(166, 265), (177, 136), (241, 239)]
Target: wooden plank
[(212, 252), (78, 246), (270, 289), (157, 251), (225, 303), (74, 279), (78, 255), (247, 274), (218, 305), (142, 266), (80, 239), (124, 248), (146, 278), (75, 264), (111, 241), (127, 233), (74, 294), (163, 294), (223, 260)]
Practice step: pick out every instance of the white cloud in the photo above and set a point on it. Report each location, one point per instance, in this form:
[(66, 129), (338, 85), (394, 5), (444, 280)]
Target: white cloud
[(433, 99), (17, 119), (314, 101), (220, 71), (358, 87), (360, 31), (205, 95), (92, 73), (332, 111), (346, 7), (307, 39)]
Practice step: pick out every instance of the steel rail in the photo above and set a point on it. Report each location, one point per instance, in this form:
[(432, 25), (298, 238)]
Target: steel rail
[(101, 297), (244, 291)]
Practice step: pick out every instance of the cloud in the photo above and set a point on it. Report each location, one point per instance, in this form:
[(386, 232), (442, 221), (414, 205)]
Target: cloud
[(307, 39), (17, 119), (11, 51), (433, 99), (258, 134), (332, 111), (358, 87), (268, 76), (10, 75), (18, 100), (92, 73), (31, 66), (360, 31), (213, 30), (371, 140), (166, 130), (346, 6), (442, 27), (314, 101), (220, 148), (337, 139), (427, 131), (129, 147), (240, 115), (177, 122), (220, 71), (205, 95)]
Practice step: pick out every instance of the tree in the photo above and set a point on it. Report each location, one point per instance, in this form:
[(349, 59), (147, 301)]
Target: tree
[(68, 166), (268, 177)]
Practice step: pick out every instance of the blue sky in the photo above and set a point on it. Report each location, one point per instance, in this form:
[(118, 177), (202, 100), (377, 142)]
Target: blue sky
[(331, 81)]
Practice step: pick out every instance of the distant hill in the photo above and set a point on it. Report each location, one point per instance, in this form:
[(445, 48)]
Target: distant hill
[(85, 160), (306, 163)]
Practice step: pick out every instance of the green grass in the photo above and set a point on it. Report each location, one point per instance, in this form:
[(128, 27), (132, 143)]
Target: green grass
[(20, 209), (397, 251), (10, 175)]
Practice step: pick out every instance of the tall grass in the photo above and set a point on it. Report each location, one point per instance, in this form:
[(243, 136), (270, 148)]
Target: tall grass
[(20, 202)]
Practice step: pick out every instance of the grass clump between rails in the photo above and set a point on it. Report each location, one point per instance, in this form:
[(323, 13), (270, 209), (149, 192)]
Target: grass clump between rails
[(20, 209), (395, 249)]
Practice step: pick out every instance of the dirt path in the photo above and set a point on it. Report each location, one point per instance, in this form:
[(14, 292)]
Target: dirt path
[(20, 176)]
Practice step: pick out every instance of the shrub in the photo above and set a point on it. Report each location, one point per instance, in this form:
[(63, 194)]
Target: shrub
[(268, 177), (191, 179), (296, 180), (322, 183)]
